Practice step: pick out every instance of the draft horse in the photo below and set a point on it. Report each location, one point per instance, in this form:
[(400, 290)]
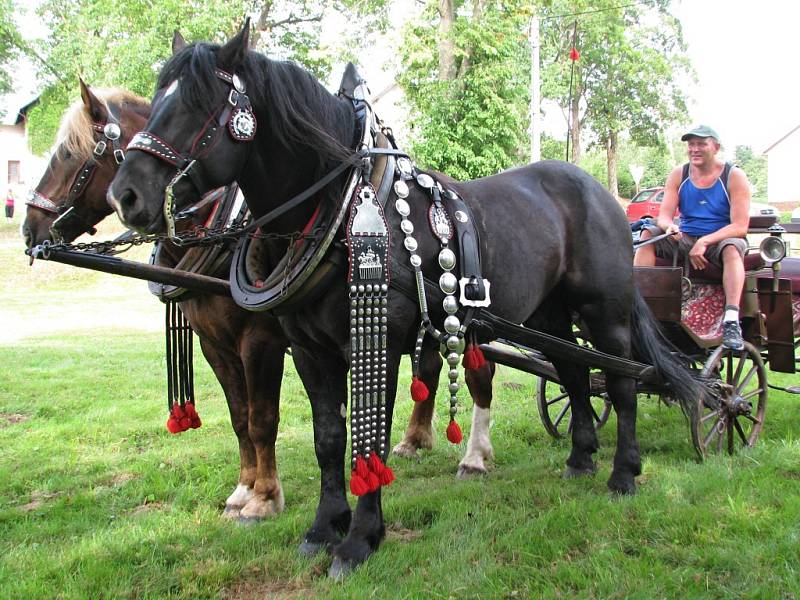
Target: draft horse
[(244, 349), (554, 245)]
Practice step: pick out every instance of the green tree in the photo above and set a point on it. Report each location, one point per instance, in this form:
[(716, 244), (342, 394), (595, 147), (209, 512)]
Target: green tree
[(10, 44), (465, 77), (124, 44), (625, 78), (756, 169)]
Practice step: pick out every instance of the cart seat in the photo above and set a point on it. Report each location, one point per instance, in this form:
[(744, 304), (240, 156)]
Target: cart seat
[(752, 262)]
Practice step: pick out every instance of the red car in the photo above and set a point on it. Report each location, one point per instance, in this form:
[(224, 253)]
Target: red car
[(648, 202)]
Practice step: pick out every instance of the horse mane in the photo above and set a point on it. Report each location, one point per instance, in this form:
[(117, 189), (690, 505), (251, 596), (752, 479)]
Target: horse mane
[(75, 134), (302, 114)]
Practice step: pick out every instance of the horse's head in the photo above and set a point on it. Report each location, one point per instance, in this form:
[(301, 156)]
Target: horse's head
[(195, 140), (70, 198)]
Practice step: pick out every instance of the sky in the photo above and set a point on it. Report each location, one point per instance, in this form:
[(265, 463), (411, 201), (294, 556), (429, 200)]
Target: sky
[(743, 51)]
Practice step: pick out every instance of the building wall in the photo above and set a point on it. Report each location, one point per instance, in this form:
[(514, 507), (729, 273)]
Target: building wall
[(783, 161), (14, 147)]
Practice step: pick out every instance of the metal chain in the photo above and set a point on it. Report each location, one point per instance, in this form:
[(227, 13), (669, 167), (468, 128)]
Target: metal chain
[(200, 236)]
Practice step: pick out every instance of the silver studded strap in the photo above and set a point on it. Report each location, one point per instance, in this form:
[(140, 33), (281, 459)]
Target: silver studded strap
[(368, 276)]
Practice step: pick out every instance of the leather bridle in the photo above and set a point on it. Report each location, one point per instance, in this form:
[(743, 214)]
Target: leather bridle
[(67, 211), (236, 116)]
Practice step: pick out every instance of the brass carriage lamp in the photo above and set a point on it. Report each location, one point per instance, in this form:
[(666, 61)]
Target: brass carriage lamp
[(773, 251)]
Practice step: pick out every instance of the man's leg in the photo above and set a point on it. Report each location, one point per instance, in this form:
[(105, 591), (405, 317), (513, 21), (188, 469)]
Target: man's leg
[(646, 255), (732, 284)]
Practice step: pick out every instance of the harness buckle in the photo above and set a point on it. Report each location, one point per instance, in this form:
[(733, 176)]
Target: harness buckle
[(119, 156), (233, 98), (99, 148)]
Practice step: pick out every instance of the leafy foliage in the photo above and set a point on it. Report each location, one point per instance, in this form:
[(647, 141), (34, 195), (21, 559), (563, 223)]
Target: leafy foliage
[(124, 44), (10, 42), (474, 124), (756, 169), (626, 74)]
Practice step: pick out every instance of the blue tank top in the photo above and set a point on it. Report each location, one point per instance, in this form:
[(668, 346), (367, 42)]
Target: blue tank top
[(703, 210)]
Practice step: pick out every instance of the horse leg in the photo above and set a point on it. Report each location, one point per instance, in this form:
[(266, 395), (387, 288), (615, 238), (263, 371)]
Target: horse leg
[(419, 433), (324, 379), (611, 334), (479, 446), (552, 318), (575, 379), (263, 360), (367, 528), (229, 372)]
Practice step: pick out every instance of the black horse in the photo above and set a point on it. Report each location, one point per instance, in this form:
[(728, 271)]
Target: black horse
[(554, 244)]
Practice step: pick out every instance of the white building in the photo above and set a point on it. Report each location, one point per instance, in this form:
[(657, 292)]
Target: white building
[(782, 162), (19, 169)]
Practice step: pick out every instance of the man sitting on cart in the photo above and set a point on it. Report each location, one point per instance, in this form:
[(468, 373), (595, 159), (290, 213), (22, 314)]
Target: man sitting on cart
[(714, 202)]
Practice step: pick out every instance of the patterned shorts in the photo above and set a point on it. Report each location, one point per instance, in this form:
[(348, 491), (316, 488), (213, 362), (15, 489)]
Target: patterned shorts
[(666, 248)]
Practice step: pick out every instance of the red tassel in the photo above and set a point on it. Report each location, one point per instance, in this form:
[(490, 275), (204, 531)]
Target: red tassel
[(178, 421), (373, 482), (454, 433), (386, 476), (173, 426), (376, 464), (574, 54), (362, 469), (419, 391), (194, 418), (473, 358), (358, 487)]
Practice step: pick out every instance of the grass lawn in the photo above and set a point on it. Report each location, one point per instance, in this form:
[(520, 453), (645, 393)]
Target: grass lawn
[(98, 500)]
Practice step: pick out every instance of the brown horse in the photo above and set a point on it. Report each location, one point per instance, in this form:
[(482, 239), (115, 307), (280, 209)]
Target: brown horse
[(245, 349)]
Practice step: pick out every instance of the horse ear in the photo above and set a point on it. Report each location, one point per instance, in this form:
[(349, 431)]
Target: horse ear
[(95, 108), (232, 54), (178, 42)]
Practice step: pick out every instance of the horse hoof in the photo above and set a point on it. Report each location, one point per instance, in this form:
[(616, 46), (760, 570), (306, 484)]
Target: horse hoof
[(231, 512), (622, 486), (340, 568), (259, 509), (467, 471), (405, 450), (311, 549), (574, 472), (248, 521)]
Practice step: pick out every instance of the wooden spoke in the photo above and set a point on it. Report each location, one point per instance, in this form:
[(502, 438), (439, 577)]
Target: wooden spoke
[(554, 405), (740, 416)]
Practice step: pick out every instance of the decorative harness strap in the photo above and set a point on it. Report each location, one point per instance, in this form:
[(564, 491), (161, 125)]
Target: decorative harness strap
[(236, 116), (66, 210)]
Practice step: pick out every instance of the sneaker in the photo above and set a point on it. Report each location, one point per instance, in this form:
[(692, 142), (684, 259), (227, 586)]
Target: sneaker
[(732, 335)]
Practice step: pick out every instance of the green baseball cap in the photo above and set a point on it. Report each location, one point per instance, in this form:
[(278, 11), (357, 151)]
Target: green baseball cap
[(701, 131)]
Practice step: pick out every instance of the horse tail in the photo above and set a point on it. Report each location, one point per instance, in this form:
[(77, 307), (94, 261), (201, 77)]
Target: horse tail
[(650, 346)]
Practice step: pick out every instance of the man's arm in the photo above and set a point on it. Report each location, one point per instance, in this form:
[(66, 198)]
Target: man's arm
[(669, 205)]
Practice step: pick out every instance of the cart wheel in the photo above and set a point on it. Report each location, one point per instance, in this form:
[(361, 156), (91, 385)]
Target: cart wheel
[(737, 421), (554, 408)]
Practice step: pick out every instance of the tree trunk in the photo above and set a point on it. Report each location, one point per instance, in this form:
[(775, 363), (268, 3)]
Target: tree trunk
[(447, 57), (263, 26), (611, 163), (575, 120)]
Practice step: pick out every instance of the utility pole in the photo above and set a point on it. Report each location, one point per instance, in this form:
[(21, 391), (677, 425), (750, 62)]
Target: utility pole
[(535, 110)]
